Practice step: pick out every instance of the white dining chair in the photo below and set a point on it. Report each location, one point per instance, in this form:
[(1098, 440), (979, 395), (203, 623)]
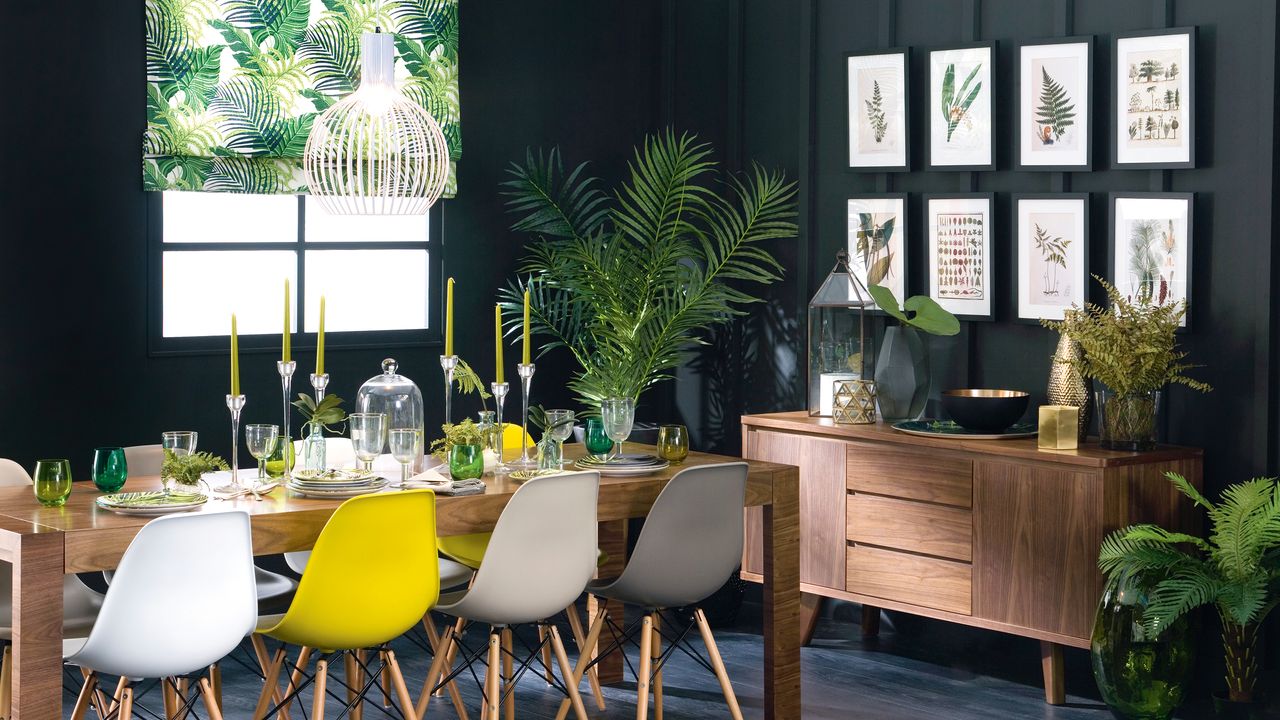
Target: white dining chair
[(533, 569), (144, 459), (168, 615), (338, 452)]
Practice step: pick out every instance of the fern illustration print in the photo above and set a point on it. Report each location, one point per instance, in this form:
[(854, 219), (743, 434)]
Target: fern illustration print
[(1055, 113), (877, 110), (875, 113)]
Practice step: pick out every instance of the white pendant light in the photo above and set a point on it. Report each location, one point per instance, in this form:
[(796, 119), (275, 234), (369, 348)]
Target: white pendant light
[(375, 152)]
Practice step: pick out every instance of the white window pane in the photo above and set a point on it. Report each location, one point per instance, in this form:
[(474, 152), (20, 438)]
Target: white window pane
[(367, 289), (196, 217), (202, 289), (323, 227)]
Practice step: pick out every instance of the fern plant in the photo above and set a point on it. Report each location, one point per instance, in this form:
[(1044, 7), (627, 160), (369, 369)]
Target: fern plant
[(628, 282), (1055, 109), (1237, 570)]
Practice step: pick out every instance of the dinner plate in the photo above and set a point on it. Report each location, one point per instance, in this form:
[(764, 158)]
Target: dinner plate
[(338, 492), (623, 470), (150, 503), (333, 476), (949, 429), (623, 460)]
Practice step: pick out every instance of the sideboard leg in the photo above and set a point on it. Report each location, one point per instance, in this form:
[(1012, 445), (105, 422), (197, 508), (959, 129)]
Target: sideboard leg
[(870, 622), (810, 609), (1055, 685)]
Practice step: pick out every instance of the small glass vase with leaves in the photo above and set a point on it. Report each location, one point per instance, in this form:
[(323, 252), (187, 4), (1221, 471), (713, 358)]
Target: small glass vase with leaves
[(462, 447), (317, 417), (182, 472), (556, 426)]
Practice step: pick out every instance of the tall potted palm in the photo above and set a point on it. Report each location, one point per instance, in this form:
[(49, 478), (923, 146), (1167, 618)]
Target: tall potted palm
[(629, 281)]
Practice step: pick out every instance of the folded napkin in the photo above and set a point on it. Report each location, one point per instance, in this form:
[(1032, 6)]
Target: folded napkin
[(443, 485)]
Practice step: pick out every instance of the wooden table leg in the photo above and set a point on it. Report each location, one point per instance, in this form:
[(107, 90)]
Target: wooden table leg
[(37, 626), (870, 622), (1055, 684), (782, 598), (613, 540), (810, 609)]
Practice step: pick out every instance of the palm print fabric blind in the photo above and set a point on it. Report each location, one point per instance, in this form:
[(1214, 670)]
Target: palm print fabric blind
[(233, 86)]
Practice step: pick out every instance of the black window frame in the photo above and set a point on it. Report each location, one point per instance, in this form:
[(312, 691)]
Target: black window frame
[(159, 345)]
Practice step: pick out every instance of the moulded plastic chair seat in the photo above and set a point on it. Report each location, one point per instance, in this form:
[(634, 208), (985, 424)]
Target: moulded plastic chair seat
[(144, 459), (452, 574)]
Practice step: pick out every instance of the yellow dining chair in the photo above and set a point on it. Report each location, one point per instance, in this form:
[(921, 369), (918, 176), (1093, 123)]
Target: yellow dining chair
[(355, 594)]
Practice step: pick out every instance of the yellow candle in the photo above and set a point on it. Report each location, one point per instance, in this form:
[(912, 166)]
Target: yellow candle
[(284, 352), (497, 342), (448, 318), (235, 358), (525, 339), (320, 341)]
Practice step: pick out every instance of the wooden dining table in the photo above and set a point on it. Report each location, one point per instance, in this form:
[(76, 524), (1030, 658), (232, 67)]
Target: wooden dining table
[(43, 543)]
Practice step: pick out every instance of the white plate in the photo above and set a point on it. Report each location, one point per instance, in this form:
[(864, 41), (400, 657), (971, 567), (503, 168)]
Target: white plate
[(105, 503), (625, 471), (331, 493)]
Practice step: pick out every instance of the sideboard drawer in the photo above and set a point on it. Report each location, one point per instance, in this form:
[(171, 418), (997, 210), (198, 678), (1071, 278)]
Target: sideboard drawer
[(907, 525), (896, 472), (928, 582)]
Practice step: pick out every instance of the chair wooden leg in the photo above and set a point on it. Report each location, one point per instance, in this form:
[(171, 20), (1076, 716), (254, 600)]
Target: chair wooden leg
[(721, 674), (397, 681), (566, 671), (491, 678), (354, 675), (384, 682), (269, 686), (585, 657), (212, 703), (295, 678), (458, 628), (646, 661), (508, 675), (182, 698), (264, 662), (433, 636), (439, 668), (6, 683), (657, 666), (126, 704), (588, 649), (84, 699), (546, 655), (169, 697), (322, 678), (96, 698), (118, 696), (215, 683)]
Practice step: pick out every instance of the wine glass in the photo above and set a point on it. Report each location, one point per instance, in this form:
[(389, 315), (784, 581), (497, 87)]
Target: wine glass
[(52, 483), (404, 448), (618, 414), (368, 436), (110, 469), (181, 442), (261, 441), (561, 433), (673, 443)]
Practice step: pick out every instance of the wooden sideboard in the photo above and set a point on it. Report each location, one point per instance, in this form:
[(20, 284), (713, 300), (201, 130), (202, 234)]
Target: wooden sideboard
[(993, 534)]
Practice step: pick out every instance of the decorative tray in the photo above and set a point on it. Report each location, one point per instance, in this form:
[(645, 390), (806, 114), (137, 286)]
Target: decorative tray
[(949, 429)]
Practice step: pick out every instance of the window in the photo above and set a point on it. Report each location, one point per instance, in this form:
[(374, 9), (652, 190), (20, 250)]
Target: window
[(214, 254)]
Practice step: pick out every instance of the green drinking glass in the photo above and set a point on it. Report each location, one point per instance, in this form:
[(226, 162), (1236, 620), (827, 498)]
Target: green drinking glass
[(466, 462), (595, 438), (110, 469), (53, 482)]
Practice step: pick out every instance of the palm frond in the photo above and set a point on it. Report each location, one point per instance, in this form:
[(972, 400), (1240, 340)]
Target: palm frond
[(1187, 588), (550, 203)]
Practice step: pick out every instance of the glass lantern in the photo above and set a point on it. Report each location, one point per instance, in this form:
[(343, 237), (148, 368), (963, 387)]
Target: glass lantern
[(839, 335), (397, 397)]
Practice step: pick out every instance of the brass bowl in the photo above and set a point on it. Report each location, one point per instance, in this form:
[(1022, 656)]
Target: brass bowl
[(985, 410)]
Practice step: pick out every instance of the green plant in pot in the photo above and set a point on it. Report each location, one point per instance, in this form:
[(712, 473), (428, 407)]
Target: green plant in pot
[(462, 447), (628, 281), (184, 471), (1237, 571), (902, 367), (1130, 347)]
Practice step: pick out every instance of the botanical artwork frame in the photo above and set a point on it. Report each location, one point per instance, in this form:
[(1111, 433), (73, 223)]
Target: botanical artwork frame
[(962, 86), (1162, 63), (1051, 254), (959, 267), (877, 94), (1161, 225), (892, 251), (1055, 105)]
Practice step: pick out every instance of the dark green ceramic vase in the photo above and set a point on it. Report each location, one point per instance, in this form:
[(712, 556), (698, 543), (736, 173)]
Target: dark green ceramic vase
[(1140, 678)]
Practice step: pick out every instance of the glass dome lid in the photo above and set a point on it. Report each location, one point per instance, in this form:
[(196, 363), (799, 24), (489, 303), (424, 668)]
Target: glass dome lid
[(397, 397)]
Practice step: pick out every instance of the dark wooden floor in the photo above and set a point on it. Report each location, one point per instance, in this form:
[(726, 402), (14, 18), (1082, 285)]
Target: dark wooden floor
[(913, 672)]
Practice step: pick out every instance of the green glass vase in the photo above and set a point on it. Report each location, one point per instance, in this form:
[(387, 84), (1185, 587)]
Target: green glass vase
[(466, 462), (1140, 677)]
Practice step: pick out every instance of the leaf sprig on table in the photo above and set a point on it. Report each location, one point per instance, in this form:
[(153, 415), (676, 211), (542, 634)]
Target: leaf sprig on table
[(187, 469), (326, 413)]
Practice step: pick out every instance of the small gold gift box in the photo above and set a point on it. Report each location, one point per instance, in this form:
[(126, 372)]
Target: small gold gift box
[(1059, 427), (854, 402)]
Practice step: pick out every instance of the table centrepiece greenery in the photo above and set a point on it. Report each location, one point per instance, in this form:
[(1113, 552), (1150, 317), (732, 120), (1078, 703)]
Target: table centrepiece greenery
[(187, 469), (465, 432), (1237, 570), (1130, 347), (328, 412), (628, 281)]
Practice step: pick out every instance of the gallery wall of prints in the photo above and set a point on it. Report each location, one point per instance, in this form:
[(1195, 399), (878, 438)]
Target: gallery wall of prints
[(1052, 113)]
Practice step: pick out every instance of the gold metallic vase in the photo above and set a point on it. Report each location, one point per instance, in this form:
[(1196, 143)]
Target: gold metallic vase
[(1067, 386)]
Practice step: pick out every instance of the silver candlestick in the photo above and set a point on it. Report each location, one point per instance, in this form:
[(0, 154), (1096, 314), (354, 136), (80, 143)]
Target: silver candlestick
[(286, 370), (525, 371), (499, 391), (235, 403), (448, 363)]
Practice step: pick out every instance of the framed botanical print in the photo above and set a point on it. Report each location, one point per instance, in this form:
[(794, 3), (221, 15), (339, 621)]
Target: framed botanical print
[(1055, 103), (962, 101), (877, 96), (959, 254), (1154, 98), (1151, 247), (1051, 254), (877, 246)]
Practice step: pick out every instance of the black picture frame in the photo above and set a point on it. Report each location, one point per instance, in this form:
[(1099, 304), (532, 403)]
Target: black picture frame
[(1085, 277), (1086, 118), (991, 47), (1189, 132), (992, 263), (1112, 269), (905, 52), (906, 246)]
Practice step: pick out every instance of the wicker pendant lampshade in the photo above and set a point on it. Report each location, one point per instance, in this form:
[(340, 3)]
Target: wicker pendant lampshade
[(375, 152)]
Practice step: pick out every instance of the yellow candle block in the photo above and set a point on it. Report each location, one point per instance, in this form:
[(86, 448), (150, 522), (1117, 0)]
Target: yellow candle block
[(284, 344), (525, 339), (1058, 427), (497, 343), (235, 358), (320, 341), (448, 318)]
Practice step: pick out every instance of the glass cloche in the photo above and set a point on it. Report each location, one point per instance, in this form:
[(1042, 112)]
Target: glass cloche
[(839, 335), (397, 397)]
